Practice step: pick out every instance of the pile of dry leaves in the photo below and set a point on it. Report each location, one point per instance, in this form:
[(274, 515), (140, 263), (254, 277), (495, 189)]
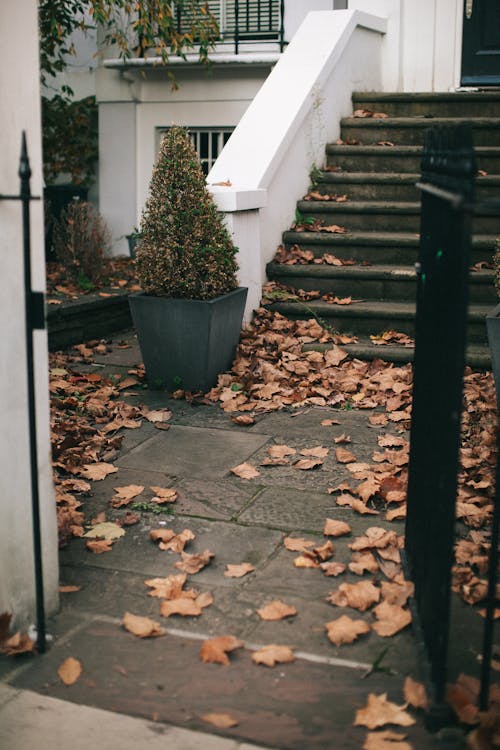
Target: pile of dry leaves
[(118, 274)]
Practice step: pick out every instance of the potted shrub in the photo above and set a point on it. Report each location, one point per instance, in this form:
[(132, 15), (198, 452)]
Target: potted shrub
[(188, 317), (493, 325)]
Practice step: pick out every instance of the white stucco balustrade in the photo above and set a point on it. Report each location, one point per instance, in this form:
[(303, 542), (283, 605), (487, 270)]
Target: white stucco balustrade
[(283, 133)]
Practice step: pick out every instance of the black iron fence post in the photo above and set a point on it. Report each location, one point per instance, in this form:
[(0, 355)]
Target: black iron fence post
[(34, 319), (448, 171)]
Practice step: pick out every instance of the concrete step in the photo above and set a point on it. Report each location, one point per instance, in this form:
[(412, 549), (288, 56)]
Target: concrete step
[(431, 104), (377, 247), (382, 282), (409, 131), (375, 316), (398, 158), (389, 186), (476, 356), (397, 216)]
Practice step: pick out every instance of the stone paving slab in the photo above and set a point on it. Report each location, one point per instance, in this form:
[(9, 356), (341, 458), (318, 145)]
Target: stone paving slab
[(136, 553), (28, 719), (194, 452), (295, 706)]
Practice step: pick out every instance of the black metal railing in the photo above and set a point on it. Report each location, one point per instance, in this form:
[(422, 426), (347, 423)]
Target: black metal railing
[(34, 319), (242, 21), (448, 204)]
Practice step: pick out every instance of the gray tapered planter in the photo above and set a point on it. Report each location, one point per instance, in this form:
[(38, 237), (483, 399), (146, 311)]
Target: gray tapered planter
[(493, 329), (186, 343)]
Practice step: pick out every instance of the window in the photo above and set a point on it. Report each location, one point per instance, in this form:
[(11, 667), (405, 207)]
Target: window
[(257, 19), (208, 143)]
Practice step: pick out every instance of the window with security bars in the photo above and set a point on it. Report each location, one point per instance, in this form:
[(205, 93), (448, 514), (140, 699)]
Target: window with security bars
[(208, 143), (255, 19)]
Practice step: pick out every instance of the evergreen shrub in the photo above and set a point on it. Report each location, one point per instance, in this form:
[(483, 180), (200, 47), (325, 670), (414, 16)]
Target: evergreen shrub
[(184, 248)]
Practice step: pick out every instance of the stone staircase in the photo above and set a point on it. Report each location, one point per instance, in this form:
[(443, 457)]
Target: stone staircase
[(381, 217)]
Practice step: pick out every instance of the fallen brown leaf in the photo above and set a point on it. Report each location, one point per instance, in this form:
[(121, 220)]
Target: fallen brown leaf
[(415, 693), (158, 415), (357, 595), (379, 711), (99, 546), (192, 564), (336, 528), (69, 671), (215, 650), (344, 456), (297, 544), (164, 495), (273, 654), (98, 471), (276, 610), (332, 568), (344, 630), (186, 607), (245, 471), (307, 463), (69, 589), (238, 571), (221, 721), (390, 619), (386, 740), (142, 627)]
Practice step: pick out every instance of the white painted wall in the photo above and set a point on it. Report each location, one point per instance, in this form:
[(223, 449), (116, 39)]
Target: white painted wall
[(19, 84), (284, 131), (423, 47)]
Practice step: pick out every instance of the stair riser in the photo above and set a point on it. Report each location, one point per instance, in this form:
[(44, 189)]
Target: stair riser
[(380, 289), (385, 162), (450, 108), (381, 191), (410, 135), (387, 222), (372, 253), (370, 325)]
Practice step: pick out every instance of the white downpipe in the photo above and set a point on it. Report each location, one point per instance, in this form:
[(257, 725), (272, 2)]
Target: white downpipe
[(283, 133)]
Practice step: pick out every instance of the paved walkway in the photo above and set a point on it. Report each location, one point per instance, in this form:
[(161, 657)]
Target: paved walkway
[(309, 704)]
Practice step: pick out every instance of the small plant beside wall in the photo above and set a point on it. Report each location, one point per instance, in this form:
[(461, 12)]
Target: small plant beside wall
[(189, 317), (81, 241)]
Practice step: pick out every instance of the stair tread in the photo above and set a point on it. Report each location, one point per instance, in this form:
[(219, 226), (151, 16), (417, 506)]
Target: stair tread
[(422, 96), (397, 149), (419, 121), (382, 271), (368, 206), (389, 177), (476, 355), (386, 308), (354, 236)]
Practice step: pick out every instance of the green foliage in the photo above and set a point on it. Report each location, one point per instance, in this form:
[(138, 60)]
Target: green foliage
[(70, 138), (81, 239), (57, 20), (134, 27), (148, 507), (184, 249)]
